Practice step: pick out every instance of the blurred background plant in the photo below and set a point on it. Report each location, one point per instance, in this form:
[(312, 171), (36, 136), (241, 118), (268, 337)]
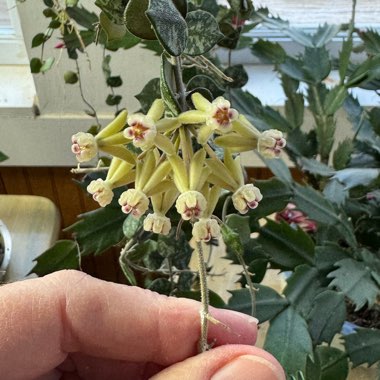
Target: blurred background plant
[(326, 231)]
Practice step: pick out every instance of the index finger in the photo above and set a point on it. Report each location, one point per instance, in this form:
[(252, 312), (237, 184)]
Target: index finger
[(44, 319)]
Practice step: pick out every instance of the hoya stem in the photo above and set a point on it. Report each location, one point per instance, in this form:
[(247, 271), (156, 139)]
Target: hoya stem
[(179, 83), (203, 345)]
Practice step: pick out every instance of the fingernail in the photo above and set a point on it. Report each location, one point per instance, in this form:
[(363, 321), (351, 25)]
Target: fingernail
[(248, 318), (249, 367)]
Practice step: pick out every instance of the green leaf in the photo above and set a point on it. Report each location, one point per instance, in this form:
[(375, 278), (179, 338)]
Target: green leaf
[(371, 39), (70, 77), (344, 58), (167, 86), (276, 195), (62, 255), (39, 39), (268, 302), (47, 64), (343, 153), (231, 36), (204, 81), (335, 99), (316, 63), (374, 118), (149, 94), (238, 74), (203, 32), (325, 33), (352, 177), (114, 9), (113, 100), (329, 363), (240, 225), (232, 240), (294, 105), (286, 247), (161, 286), (169, 25), (303, 286), (335, 192), (126, 42), (293, 68), (83, 17), (315, 167), (280, 170), (327, 255), (115, 81), (299, 143), (3, 156), (130, 226), (268, 52), (365, 72), (354, 279), (137, 21), (363, 346), (288, 340), (113, 31), (327, 316), (35, 65), (98, 230)]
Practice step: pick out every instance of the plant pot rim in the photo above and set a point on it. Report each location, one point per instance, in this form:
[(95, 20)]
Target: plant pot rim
[(5, 238)]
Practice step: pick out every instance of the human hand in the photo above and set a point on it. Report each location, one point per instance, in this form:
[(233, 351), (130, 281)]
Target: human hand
[(70, 326)]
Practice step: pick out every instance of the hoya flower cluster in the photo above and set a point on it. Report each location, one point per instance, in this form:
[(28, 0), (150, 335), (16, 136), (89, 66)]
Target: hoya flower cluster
[(175, 163)]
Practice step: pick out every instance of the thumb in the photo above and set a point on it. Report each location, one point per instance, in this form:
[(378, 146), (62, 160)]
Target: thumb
[(230, 362)]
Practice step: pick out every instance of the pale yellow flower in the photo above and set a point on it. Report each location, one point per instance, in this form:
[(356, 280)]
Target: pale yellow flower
[(246, 197), (221, 115), (159, 224), (84, 146), (191, 205), (206, 229), (270, 143), (101, 191), (134, 202), (142, 130)]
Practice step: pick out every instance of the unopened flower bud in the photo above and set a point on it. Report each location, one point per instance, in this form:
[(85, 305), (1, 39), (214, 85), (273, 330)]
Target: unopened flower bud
[(159, 224), (134, 202), (270, 143), (246, 197), (101, 192), (84, 146), (206, 229), (191, 205)]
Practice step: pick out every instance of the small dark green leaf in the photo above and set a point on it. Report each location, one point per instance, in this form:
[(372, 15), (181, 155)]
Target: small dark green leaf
[(203, 31), (35, 65), (63, 255), (169, 25), (342, 154), (49, 3), (238, 74), (204, 81), (115, 81), (55, 24), (288, 340), (114, 9), (371, 39), (149, 94), (231, 36), (363, 346), (49, 13), (344, 58), (70, 77), (374, 118), (113, 100), (365, 72), (161, 286), (38, 39), (83, 17), (294, 106), (328, 254), (285, 246), (136, 20), (327, 316), (3, 157), (293, 68), (316, 63), (268, 302), (354, 279)]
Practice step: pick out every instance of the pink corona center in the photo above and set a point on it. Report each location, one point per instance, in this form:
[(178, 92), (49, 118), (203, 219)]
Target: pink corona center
[(193, 212), (137, 131), (223, 116)]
